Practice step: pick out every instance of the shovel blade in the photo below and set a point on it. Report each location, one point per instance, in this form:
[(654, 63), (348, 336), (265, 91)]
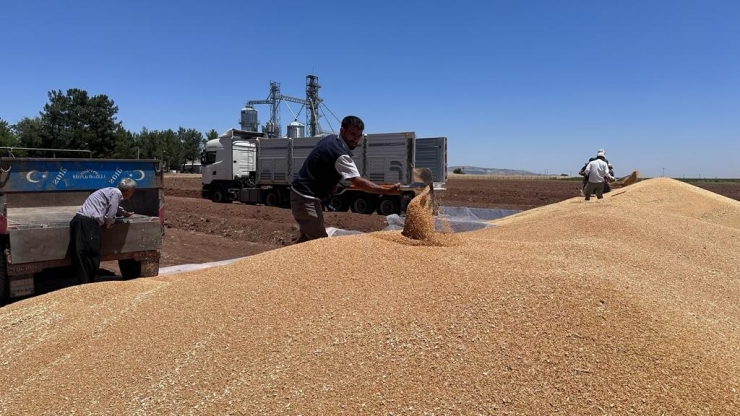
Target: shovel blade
[(423, 175)]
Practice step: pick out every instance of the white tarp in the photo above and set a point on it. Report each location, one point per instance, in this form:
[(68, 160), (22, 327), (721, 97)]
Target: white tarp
[(456, 219)]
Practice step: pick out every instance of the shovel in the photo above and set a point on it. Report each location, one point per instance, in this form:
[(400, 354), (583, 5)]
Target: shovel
[(627, 180), (425, 176)]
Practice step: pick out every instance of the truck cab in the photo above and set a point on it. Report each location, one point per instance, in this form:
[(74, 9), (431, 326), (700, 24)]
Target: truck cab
[(228, 161)]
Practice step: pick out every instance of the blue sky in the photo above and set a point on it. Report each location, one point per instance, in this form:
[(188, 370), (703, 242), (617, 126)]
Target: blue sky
[(534, 85)]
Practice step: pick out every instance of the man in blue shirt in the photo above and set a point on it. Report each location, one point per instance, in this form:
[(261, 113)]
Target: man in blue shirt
[(329, 162), (100, 209)]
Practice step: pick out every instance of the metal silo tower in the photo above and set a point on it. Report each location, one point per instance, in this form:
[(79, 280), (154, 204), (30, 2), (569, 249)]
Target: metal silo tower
[(312, 105), (273, 127)]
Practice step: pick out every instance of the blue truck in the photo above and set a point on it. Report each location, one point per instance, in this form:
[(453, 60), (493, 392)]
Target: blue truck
[(39, 197)]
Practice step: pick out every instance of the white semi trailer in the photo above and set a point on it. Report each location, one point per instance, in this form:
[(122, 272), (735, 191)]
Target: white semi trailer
[(251, 168)]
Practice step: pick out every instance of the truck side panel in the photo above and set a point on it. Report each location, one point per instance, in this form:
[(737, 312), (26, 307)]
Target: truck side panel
[(389, 158), (273, 167), (47, 244), (301, 148), (431, 152), (359, 155)]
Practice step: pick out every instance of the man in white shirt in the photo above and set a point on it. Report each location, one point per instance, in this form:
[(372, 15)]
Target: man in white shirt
[(597, 172), (99, 210)]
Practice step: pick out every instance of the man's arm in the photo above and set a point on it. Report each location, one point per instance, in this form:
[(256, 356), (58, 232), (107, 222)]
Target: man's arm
[(363, 184), (610, 177), (347, 168)]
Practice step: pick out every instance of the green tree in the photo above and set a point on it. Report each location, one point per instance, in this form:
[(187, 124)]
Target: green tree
[(7, 134), (30, 132), (147, 144), (163, 145), (125, 144), (191, 142), (211, 135), (77, 121)]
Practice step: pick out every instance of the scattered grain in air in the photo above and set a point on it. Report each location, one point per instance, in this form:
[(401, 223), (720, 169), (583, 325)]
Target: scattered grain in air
[(419, 223)]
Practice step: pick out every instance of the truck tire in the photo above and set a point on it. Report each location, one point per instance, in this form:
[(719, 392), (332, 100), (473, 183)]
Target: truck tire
[(132, 269), (363, 204), (339, 203), (218, 194), (149, 268), (272, 198), (388, 205)]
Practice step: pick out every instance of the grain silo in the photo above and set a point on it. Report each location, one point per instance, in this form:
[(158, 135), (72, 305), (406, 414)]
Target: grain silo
[(248, 120), (296, 130)]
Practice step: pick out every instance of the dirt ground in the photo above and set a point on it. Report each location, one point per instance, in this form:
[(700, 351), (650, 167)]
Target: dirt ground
[(199, 231)]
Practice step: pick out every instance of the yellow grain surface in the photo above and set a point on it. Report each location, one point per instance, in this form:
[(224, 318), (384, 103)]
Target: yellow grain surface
[(628, 305)]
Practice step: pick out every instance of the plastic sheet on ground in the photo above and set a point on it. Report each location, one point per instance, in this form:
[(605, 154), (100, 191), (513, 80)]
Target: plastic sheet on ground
[(336, 232), (455, 219), (189, 267)]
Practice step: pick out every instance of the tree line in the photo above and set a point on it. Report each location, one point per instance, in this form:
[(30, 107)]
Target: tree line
[(76, 121)]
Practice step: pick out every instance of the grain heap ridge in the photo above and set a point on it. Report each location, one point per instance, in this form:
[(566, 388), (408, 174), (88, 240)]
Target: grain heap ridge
[(624, 305)]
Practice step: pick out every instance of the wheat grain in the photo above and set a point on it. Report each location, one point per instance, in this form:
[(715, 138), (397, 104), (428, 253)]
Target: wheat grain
[(628, 305)]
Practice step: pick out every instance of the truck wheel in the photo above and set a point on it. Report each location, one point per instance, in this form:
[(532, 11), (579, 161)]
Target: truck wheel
[(130, 268), (363, 204), (388, 205), (272, 199), (218, 194), (339, 203), (149, 268)]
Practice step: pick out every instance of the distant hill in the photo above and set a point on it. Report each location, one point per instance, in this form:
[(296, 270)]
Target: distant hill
[(473, 170)]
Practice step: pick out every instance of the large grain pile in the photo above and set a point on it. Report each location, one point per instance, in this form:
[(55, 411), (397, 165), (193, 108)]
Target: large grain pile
[(628, 305)]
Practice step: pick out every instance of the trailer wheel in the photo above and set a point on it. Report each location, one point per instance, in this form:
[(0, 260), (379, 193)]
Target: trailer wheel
[(388, 205), (149, 268), (363, 204), (339, 203), (132, 269), (272, 198), (218, 194)]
